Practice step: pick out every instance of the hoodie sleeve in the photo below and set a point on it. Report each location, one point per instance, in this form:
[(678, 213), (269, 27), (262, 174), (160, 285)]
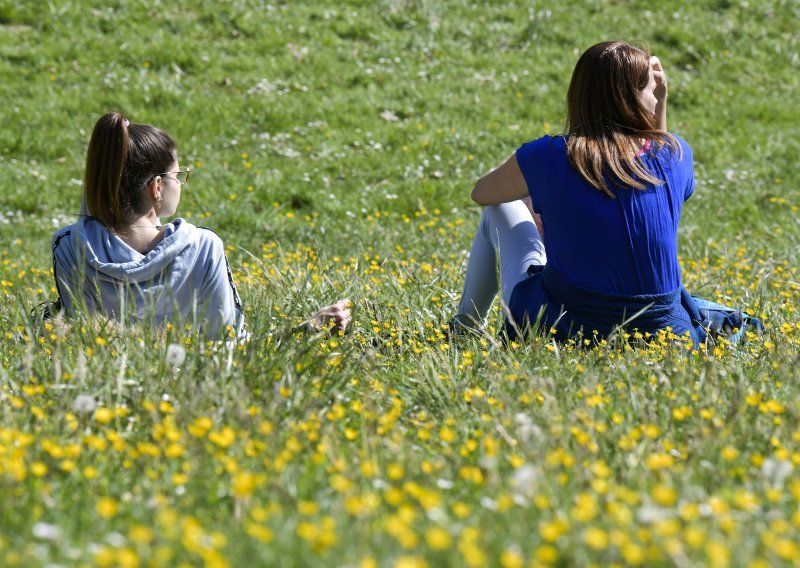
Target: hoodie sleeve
[(64, 266), (221, 304)]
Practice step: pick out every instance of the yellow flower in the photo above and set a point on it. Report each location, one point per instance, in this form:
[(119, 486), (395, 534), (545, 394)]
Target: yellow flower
[(596, 538), (258, 532), (664, 495), (585, 508), (107, 507), (395, 472), (38, 469), (103, 415), (718, 554), (104, 557), (447, 435), (140, 534), (307, 508), (632, 553), (223, 438), (244, 484), (438, 538), (368, 469), (729, 453), (754, 398), (681, 413), (511, 558), (552, 531), (659, 461), (410, 562), (546, 554)]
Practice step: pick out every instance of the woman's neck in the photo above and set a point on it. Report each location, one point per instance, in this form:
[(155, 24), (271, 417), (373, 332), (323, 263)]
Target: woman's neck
[(143, 234)]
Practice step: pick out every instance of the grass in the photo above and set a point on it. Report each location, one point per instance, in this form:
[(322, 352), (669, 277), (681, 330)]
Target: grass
[(333, 147)]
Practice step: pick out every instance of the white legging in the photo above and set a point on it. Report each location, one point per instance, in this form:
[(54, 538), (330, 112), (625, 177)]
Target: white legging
[(507, 232)]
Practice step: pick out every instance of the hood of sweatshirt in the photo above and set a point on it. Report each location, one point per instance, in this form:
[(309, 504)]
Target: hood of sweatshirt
[(110, 258)]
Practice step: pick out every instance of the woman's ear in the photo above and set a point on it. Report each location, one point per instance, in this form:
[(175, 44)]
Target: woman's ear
[(154, 189)]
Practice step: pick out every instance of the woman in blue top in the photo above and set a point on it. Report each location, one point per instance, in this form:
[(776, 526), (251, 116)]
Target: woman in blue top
[(585, 224), (120, 261)]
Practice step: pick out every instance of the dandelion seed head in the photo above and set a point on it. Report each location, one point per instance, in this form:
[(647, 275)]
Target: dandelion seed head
[(176, 355), (84, 404)]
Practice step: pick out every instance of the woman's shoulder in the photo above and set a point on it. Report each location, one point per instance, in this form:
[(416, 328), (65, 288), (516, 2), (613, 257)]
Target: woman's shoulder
[(60, 235), (682, 144), (546, 142), (204, 238), (541, 150)]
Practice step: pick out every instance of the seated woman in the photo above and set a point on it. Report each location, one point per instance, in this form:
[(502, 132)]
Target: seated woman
[(607, 198), (119, 261)]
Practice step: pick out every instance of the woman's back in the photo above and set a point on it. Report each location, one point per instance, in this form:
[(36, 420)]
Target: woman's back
[(184, 279), (621, 245)]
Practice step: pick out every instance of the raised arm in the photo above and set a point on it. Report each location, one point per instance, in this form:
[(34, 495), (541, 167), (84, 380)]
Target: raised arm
[(660, 92), (502, 185)]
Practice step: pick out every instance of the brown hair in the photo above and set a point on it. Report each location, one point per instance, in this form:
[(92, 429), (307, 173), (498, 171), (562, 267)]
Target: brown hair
[(122, 159), (606, 122)]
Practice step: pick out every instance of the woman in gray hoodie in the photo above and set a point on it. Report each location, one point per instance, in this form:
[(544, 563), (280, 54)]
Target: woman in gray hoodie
[(119, 261)]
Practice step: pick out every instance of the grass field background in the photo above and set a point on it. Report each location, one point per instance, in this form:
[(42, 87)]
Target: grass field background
[(333, 147)]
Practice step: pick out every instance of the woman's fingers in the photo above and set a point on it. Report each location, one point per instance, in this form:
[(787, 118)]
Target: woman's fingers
[(658, 70), (659, 77), (338, 313), (655, 63)]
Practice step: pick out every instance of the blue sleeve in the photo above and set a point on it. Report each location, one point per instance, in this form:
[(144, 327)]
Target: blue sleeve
[(687, 167), (531, 158), (218, 294)]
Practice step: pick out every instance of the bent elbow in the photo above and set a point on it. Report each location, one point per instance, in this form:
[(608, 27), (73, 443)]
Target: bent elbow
[(478, 194)]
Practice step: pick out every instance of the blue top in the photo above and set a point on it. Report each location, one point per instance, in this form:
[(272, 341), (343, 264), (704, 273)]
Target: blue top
[(184, 279), (627, 245)]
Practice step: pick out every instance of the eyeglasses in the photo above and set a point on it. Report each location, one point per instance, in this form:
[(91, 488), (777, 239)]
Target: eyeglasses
[(181, 176)]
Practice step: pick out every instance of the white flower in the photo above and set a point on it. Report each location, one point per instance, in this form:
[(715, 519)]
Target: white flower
[(652, 514), (84, 404), (176, 355), (776, 470), (116, 540), (489, 503), (522, 419), (525, 480), (46, 531), (444, 484), (526, 429)]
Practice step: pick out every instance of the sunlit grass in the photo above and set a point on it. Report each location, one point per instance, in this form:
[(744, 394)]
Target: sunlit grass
[(333, 147)]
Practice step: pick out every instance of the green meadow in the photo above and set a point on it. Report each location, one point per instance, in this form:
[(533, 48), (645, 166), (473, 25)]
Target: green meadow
[(333, 146)]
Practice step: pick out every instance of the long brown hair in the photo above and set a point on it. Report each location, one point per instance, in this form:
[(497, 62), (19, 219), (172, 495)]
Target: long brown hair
[(605, 120), (122, 159)]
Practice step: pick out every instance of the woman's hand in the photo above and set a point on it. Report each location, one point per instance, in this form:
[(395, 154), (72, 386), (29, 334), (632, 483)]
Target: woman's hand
[(335, 317), (660, 76), (660, 92)]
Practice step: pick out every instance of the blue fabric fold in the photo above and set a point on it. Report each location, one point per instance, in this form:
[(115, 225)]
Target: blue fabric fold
[(548, 301)]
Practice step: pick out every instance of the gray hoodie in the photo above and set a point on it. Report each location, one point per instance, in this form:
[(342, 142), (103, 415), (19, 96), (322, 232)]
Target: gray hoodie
[(184, 279)]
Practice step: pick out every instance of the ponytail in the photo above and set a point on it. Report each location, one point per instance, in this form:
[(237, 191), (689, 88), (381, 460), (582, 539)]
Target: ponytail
[(122, 159), (105, 163)]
